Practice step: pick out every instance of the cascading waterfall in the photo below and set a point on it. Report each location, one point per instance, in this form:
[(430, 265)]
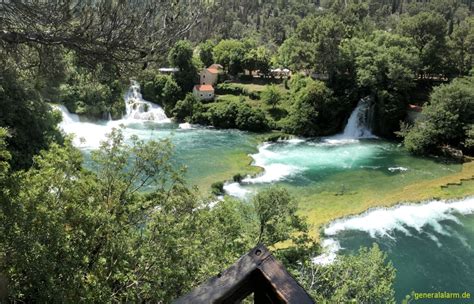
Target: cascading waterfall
[(358, 125), (68, 118), (140, 109)]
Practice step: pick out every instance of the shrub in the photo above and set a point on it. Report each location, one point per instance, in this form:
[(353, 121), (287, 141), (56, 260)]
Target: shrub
[(186, 108), (217, 188), (238, 115), (230, 88)]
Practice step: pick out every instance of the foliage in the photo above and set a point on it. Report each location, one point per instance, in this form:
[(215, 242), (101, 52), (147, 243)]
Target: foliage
[(117, 33), (72, 235), (313, 110), (205, 53), (188, 109), (217, 188), (271, 96), (446, 120), (384, 65), (428, 30), (366, 277), (29, 121), (257, 59), (461, 47), (181, 57), (86, 93), (237, 114), (314, 45), (276, 213), (230, 54)]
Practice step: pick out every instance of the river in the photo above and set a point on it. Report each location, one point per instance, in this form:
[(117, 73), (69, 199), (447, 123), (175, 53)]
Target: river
[(430, 244)]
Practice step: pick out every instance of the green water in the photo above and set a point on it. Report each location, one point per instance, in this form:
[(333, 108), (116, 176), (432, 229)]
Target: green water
[(208, 155), (320, 169), (343, 167), (430, 246)]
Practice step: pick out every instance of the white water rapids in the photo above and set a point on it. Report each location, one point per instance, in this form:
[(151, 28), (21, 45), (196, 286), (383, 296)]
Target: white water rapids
[(382, 222)]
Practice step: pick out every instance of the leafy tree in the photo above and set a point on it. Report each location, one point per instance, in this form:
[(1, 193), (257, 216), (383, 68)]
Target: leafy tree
[(230, 54), (461, 47), (188, 109), (181, 56), (92, 93), (445, 120), (295, 54), (276, 213), (313, 111), (228, 115), (428, 31), (30, 122), (271, 95), (314, 45), (257, 59), (170, 95), (73, 235), (117, 33), (205, 53), (365, 277)]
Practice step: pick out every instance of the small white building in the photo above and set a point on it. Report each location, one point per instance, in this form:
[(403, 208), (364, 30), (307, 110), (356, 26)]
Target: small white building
[(204, 91)]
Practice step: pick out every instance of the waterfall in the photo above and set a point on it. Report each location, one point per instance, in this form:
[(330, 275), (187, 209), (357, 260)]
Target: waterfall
[(358, 125), (140, 109), (68, 118)]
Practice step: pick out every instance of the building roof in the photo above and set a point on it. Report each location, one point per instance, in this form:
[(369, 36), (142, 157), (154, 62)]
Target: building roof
[(204, 87), (216, 66), (213, 70)]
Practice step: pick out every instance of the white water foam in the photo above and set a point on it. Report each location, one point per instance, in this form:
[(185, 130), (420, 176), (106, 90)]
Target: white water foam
[(329, 255), (236, 190), (382, 222), (359, 122), (186, 126), (399, 169)]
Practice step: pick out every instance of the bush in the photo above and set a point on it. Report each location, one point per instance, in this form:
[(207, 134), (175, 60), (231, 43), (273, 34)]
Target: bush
[(230, 89), (85, 95), (217, 188), (271, 95), (314, 112), (228, 115), (160, 89), (188, 108)]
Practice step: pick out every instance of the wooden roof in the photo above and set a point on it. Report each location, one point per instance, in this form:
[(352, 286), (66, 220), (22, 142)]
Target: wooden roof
[(257, 272)]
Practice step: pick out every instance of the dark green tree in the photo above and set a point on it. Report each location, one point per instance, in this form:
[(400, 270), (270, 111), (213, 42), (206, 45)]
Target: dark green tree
[(428, 31), (181, 57), (205, 52), (30, 122)]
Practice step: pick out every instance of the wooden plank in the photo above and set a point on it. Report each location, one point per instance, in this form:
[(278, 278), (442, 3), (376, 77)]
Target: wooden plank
[(256, 272)]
